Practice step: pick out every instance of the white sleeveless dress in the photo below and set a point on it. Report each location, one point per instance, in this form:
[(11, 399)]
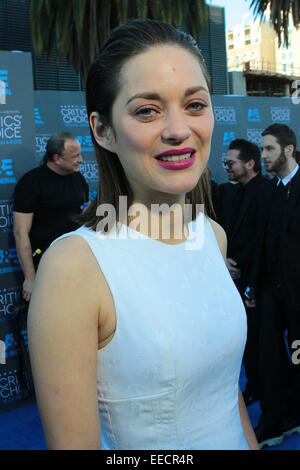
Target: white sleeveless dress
[(169, 377)]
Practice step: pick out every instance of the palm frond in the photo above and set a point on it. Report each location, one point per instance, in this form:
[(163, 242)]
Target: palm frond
[(78, 28), (78, 8), (141, 8), (279, 15)]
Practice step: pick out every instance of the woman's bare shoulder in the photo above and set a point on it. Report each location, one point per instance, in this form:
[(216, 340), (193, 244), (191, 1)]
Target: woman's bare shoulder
[(70, 260), (69, 253), (67, 246)]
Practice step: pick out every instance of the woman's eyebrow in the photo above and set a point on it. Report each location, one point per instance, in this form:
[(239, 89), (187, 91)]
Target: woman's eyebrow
[(155, 96), (147, 96), (195, 89)]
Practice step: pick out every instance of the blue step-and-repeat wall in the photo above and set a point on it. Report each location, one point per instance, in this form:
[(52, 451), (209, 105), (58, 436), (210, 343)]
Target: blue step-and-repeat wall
[(29, 118)]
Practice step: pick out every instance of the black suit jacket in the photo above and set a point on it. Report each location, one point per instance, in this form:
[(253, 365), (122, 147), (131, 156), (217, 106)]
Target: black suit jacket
[(241, 213), (289, 246)]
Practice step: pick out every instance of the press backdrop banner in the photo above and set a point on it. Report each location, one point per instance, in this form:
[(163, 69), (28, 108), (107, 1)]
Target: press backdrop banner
[(17, 134), (240, 117), (65, 112), (28, 119)]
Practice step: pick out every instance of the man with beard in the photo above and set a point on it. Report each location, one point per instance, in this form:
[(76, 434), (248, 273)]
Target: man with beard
[(239, 214), (279, 309)]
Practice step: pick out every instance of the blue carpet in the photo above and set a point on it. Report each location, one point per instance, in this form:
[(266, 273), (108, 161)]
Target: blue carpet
[(21, 429), (290, 443)]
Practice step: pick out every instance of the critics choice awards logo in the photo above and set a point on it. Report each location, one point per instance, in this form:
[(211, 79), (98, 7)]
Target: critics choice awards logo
[(74, 115), (6, 215), (254, 136), (9, 344), (40, 143), (225, 114), (10, 387), (89, 169), (10, 127), (280, 114), (9, 296), (223, 158)]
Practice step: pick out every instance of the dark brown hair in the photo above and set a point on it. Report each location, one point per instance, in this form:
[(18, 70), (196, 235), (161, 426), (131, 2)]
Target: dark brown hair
[(102, 87), (248, 151), (283, 134)]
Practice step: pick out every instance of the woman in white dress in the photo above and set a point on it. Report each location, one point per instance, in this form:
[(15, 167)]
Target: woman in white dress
[(136, 331)]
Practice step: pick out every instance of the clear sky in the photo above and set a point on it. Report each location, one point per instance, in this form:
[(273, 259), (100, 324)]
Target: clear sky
[(234, 10)]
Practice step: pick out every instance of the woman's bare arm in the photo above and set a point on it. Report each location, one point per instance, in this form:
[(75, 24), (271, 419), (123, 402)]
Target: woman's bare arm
[(63, 343), (246, 423)]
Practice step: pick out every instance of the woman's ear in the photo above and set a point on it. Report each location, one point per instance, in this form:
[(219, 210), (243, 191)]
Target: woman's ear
[(103, 134)]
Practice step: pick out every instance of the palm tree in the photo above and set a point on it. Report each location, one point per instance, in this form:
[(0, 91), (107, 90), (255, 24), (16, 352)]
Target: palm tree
[(279, 15), (78, 28)]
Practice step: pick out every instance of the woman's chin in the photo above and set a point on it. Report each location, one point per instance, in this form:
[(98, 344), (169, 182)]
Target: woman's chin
[(184, 186)]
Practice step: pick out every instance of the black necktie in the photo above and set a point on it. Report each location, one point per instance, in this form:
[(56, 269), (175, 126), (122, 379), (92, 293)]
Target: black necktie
[(281, 187), (281, 192)]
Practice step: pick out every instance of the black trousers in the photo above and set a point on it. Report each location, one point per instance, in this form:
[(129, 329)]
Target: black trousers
[(279, 373)]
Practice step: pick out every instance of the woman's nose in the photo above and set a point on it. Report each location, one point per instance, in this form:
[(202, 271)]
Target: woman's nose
[(176, 128)]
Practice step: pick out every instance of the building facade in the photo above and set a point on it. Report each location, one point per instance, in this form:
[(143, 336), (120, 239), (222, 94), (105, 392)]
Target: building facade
[(251, 46), (288, 58), (268, 70)]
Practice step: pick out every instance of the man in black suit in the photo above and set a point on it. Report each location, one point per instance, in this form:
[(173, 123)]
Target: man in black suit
[(239, 214), (280, 291)]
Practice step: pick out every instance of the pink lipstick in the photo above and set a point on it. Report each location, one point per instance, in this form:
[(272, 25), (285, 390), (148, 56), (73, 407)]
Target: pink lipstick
[(176, 159)]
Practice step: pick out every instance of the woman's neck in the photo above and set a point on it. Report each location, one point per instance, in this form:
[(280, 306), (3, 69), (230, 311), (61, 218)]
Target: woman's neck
[(163, 221)]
